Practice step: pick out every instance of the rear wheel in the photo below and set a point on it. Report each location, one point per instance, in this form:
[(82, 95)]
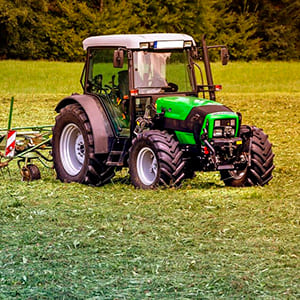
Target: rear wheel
[(260, 170), (73, 149), (155, 159)]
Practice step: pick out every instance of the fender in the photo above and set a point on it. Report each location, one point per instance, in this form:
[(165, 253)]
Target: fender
[(101, 129)]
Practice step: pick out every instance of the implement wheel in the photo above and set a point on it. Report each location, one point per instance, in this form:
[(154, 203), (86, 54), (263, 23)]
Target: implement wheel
[(30, 172), (73, 149), (155, 159), (260, 170)]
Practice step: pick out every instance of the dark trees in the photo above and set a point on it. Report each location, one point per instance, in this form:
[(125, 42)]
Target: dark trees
[(54, 29)]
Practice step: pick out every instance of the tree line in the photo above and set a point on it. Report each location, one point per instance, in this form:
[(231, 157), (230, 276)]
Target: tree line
[(54, 29)]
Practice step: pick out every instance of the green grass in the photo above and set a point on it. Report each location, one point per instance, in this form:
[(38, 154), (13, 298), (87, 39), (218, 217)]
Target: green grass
[(258, 77), (39, 77), (201, 241)]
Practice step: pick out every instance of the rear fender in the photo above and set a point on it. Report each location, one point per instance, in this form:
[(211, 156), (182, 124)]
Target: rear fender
[(101, 128)]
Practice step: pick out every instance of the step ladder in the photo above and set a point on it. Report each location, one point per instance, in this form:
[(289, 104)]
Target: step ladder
[(117, 153)]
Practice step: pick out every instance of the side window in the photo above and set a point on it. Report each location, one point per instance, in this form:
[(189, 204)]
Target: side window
[(103, 77), (112, 85)]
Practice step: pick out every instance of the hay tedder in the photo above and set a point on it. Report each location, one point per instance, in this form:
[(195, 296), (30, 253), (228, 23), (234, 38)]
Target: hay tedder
[(25, 145)]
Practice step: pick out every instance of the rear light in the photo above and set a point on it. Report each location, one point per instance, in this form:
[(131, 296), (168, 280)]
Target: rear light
[(134, 92), (218, 87)]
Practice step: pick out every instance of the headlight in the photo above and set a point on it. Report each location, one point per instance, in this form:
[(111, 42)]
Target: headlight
[(218, 132), (229, 131), (224, 128), (217, 123)]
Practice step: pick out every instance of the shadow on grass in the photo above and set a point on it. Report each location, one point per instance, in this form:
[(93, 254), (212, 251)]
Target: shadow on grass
[(122, 177), (200, 181), (200, 184)]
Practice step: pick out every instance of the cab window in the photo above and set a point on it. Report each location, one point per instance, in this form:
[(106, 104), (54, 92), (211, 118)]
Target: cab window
[(112, 85)]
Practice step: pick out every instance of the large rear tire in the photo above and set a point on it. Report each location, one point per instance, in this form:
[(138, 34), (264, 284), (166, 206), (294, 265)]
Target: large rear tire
[(73, 149), (260, 170), (155, 159)]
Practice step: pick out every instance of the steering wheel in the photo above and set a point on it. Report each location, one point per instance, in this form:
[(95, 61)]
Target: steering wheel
[(172, 87), (95, 85)]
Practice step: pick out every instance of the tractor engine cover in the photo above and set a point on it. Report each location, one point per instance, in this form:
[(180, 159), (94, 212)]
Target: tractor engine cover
[(187, 115)]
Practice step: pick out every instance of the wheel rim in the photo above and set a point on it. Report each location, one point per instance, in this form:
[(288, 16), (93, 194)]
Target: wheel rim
[(147, 167), (238, 174), (72, 149)]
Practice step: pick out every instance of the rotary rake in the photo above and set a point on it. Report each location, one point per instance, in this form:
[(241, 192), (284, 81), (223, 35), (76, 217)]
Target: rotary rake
[(26, 145)]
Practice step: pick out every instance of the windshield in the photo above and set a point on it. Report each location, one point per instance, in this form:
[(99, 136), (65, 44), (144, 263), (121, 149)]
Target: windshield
[(158, 72)]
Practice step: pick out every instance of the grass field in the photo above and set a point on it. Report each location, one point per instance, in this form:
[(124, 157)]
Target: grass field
[(201, 241)]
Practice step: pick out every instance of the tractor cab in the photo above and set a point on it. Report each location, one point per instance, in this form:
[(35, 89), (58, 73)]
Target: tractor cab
[(137, 69), (130, 72)]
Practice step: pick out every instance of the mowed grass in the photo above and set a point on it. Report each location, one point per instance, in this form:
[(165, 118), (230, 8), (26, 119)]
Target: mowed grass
[(201, 241)]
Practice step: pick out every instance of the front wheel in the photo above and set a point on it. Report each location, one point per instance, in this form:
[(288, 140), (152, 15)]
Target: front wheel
[(73, 149), (261, 165), (155, 159)]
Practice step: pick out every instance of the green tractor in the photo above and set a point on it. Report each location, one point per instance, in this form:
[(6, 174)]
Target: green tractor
[(142, 108)]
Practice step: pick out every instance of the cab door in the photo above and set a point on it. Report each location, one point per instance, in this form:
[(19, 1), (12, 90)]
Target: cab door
[(111, 85)]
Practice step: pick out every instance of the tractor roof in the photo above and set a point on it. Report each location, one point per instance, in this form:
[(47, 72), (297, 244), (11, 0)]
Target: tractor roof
[(137, 41)]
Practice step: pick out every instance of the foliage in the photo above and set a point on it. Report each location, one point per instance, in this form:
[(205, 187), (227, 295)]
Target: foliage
[(279, 30), (201, 241), (41, 29), (236, 29), (54, 29)]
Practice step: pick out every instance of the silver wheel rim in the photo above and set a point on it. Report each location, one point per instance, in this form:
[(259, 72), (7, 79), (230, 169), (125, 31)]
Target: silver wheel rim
[(72, 149), (237, 174), (147, 166)]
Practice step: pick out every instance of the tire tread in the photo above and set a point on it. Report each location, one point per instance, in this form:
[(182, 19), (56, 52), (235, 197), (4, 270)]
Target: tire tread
[(168, 154), (260, 170)]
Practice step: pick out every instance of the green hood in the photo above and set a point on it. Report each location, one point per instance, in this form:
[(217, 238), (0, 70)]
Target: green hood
[(179, 107), (182, 114)]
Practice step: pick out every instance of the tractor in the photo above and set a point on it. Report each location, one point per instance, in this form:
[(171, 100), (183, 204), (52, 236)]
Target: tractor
[(148, 106)]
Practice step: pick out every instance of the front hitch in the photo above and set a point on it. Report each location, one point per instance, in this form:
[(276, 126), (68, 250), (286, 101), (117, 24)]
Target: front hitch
[(204, 139)]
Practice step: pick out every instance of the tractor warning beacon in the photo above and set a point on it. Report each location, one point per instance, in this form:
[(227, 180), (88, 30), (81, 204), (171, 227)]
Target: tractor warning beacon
[(148, 105)]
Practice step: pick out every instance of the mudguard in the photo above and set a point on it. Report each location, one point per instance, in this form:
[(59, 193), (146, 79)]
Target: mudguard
[(101, 128)]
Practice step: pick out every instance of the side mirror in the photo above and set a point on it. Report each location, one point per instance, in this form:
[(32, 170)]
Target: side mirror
[(224, 56), (118, 58)]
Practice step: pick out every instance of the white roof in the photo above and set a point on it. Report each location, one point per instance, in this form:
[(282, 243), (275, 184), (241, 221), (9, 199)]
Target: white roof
[(132, 41)]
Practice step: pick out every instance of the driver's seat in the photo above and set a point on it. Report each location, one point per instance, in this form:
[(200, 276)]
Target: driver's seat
[(123, 83)]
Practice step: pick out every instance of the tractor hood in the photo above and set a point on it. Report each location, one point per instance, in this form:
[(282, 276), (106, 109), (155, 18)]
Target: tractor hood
[(179, 107), (188, 116)]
